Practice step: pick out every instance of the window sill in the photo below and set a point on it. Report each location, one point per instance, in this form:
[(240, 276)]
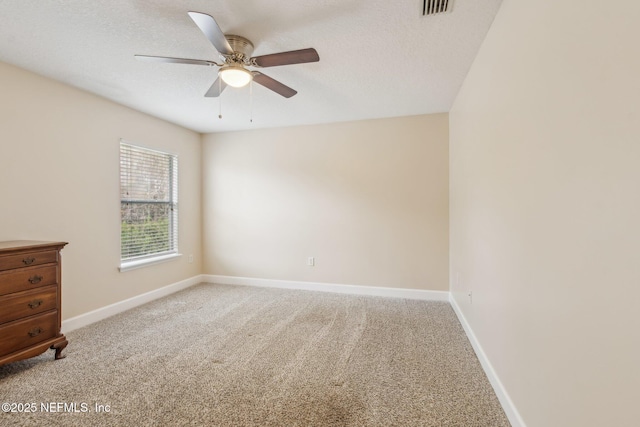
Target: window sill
[(145, 262)]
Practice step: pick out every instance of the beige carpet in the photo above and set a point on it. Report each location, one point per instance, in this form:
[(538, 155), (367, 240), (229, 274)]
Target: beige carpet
[(216, 355)]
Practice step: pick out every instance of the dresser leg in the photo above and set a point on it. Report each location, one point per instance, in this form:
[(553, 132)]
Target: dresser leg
[(59, 347)]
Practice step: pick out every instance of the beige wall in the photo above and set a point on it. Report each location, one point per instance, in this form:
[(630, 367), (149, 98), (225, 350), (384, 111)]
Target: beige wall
[(59, 175), (545, 204), (368, 200)]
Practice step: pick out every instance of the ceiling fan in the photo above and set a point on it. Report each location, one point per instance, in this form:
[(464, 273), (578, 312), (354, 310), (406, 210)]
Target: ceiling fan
[(236, 52)]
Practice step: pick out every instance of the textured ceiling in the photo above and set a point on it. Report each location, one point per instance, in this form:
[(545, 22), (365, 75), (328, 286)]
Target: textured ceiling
[(378, 58)]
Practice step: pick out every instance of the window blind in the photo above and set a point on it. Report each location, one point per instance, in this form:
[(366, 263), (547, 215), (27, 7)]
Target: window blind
[(148, 202)]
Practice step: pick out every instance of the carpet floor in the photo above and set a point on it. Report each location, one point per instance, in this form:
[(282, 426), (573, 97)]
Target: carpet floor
[(215, 355)]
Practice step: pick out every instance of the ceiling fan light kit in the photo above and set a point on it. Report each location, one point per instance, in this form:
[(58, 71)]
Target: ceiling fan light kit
[(235, 75), (236, 52)]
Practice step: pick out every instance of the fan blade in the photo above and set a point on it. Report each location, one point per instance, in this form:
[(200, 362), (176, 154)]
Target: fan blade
[(210, 28), (169, 60), (272, 84), (216, 88), (285, 58)]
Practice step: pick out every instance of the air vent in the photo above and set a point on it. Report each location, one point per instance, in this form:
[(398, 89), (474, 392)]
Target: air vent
[(433, 7)]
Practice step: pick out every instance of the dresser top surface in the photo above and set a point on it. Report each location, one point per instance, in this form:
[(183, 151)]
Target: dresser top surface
[(13, 245)]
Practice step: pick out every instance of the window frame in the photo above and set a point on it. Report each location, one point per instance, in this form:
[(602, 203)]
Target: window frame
[(173, 235)]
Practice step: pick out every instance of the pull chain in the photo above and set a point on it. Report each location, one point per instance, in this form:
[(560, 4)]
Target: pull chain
[(220, 98), (251, 101)]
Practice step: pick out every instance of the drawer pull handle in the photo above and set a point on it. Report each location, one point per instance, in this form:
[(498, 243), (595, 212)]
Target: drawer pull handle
[(35, 303), (35, 279), (35, 332), (28, 261)]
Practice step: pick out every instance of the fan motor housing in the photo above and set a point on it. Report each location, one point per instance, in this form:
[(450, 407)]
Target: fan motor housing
[(240, 44)]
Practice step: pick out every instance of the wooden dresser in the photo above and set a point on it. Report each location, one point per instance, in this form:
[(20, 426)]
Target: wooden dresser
[(30, 299)]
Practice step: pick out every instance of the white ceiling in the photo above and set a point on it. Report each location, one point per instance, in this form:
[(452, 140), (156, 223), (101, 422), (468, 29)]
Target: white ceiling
[(378, 58)]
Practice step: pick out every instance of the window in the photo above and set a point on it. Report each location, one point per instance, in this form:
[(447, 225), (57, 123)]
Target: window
[(148, 206)]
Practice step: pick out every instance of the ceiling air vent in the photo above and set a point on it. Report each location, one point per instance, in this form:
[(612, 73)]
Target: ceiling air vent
[(433, 7)]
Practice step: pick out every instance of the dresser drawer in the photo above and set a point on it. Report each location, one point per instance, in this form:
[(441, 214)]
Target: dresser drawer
[(27, 303), (10, 262), (24, 333), (27, 278)]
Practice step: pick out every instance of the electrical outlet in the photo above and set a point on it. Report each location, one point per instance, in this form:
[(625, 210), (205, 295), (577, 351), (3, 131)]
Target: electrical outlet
[(311, 261), (470, 297), (190, 259)]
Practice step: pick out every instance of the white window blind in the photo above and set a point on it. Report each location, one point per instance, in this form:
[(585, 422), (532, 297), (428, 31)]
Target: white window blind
[(148, 203)]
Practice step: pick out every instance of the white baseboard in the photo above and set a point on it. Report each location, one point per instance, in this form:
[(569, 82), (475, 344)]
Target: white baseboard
[(329, 287), (507, 404), (118, 307)]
